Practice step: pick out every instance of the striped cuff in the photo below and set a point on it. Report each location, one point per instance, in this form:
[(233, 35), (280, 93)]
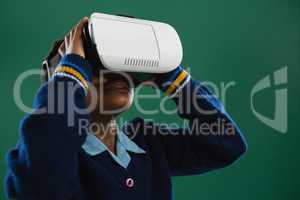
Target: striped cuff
[(75, 67), (175, 81)]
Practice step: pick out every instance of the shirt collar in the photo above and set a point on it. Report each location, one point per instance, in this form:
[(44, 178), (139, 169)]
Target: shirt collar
[(94, 146)]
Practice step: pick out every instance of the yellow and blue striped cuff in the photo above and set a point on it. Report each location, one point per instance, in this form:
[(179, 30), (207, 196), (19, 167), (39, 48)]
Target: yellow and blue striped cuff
[(72, 73), (180, 80)]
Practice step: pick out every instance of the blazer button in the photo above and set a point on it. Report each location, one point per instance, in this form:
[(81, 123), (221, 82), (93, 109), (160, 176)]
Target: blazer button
[(129, 182)]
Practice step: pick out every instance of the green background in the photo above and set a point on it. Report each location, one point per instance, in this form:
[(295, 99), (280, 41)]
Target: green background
[(233, 40)]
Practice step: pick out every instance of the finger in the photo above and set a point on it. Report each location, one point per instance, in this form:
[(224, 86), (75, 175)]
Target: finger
[(80, 26), (67, 41), (72, 32), (62, 49), (72, 29)]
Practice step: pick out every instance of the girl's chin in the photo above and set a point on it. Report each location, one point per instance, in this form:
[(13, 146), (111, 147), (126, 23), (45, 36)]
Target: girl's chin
[(117, 102)]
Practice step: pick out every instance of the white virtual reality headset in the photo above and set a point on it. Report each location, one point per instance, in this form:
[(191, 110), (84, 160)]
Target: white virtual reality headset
[(124, 43)]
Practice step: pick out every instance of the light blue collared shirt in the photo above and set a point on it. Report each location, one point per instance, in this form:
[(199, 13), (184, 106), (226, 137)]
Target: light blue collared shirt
[(94, 146)]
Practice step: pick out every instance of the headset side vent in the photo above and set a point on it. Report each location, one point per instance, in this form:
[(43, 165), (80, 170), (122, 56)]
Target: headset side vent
[(141, 62)]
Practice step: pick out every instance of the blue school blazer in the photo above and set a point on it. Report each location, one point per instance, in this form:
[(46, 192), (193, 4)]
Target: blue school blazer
[(49, 161)]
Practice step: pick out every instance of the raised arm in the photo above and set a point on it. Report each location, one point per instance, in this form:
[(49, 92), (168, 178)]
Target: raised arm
[(210, 141), (44, 163)]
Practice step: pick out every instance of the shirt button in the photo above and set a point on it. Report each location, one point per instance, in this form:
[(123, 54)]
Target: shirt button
[(129, 182)]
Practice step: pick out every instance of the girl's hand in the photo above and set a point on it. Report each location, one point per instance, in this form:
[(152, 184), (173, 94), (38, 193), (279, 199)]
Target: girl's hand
[(73, 40)]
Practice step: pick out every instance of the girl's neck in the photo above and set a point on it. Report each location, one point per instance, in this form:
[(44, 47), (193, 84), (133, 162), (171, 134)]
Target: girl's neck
[(105, 129)]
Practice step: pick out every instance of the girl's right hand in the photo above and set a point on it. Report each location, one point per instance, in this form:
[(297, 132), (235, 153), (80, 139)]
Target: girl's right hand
[(73, 43)]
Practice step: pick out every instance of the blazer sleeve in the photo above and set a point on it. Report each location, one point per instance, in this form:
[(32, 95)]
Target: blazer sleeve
[(211, 139), (44, 163)]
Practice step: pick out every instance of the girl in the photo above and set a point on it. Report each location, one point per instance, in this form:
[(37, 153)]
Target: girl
[(57, 159)]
